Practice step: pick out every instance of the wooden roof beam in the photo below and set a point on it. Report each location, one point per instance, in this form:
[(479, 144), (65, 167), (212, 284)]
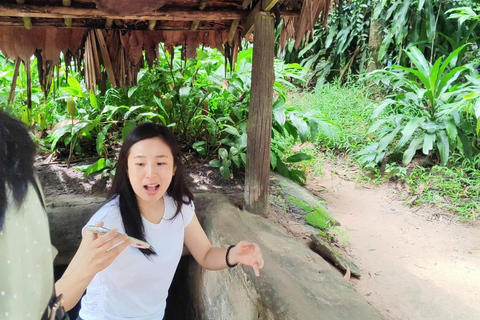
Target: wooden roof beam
[(196, 23), (233, 30), (264, 5), (21, 11)]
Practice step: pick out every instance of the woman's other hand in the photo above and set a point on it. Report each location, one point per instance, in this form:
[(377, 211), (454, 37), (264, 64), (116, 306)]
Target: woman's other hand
[(248, 254)]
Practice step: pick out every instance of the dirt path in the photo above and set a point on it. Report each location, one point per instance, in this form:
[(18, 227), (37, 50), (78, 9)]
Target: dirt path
[(413, 267)]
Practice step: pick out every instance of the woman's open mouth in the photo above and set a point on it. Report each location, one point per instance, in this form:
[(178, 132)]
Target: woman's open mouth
[(151, 188)]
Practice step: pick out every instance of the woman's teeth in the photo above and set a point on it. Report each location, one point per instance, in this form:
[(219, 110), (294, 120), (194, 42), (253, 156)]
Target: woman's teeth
[(152, 187)]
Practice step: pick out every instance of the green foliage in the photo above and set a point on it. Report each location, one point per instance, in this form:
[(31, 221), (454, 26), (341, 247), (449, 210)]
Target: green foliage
[(103, 165), (435, 27), (426, 112), (332, 47)]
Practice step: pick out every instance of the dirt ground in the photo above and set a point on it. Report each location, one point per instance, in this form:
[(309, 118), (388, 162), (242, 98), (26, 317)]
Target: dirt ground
[(417, 264)]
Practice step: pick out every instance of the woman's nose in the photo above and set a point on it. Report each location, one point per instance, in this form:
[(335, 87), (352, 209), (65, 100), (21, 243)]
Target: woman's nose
[(151, 170)]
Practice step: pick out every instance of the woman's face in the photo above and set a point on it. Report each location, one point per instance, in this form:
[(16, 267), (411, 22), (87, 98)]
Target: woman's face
[(150, 169)]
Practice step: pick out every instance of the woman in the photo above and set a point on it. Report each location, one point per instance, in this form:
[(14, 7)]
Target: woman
[(150, 201), (26, 269)]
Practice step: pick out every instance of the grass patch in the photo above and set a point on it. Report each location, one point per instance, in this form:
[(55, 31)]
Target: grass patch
[(346, 106), (455, 189)]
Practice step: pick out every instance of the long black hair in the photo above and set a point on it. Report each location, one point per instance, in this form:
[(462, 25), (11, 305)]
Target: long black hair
[(17, 153), (178, 190)]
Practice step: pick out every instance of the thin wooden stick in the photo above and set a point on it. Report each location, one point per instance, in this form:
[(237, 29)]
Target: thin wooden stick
[(14, 81)]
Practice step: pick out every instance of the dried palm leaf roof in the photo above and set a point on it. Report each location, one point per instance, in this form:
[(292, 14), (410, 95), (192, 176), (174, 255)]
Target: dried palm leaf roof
[(113, 37)]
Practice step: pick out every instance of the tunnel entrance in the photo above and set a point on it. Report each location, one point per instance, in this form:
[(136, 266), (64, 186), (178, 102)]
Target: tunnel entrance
[(179, 301)]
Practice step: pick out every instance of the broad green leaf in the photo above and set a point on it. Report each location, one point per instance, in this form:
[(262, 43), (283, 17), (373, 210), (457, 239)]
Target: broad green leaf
[(420, 5), (282, 168), (298, 176), (387, 139), (384, 46), (128, 126), (223, 153), (131, 91), (408, 131), (412, 149), (314, 128), (97, 166), (93, 100), (452, 57), (243, 157), (379, 109), (225, 172), (464, 144), (199, 146), (430, 19), (301, 126), (418, 59), (377, 124), (233, 151), (75, 85), (79, 126), (428, 142), (232, 130), (101, 139), (298, 157), (236, 161), (58, 134), (451, 128), (184, 92), (131, 110), (159, 103), (273, 160), (215, 163), (279, 116), (443, 147)]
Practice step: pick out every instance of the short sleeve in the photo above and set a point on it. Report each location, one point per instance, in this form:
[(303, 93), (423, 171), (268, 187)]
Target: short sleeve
[(188, 211)]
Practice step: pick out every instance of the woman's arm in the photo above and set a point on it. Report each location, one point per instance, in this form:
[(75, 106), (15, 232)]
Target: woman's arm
[(94, 254), (213, 258)]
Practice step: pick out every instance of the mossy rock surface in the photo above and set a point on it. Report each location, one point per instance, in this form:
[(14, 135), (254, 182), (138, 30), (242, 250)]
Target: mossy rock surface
[(302, 203)]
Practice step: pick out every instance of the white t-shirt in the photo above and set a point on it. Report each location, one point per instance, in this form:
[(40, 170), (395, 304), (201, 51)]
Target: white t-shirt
[(134, 286)]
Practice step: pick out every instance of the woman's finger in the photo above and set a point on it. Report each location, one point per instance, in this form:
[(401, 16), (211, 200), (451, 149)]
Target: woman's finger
[(261, 263), (114, 242), (256, 269), (114, 252), (103, 239)]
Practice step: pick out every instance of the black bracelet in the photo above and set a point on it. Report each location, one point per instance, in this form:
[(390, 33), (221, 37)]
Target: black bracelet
[(226, 257)]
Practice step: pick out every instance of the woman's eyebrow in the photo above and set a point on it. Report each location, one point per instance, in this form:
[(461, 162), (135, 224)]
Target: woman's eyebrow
[(158, 156)]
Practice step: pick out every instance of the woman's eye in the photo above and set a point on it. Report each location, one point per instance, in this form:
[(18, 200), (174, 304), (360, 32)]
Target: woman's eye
[(140, 164), (161, 163)]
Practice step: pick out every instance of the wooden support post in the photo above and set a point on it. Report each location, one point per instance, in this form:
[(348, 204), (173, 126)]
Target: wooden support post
[(259, 128)]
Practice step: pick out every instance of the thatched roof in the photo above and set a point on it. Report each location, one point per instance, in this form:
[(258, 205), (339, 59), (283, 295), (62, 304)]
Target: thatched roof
[(115, 36)]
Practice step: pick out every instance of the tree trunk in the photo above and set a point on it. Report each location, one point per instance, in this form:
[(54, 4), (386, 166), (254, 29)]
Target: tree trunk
[(374, 43), (259, 128)]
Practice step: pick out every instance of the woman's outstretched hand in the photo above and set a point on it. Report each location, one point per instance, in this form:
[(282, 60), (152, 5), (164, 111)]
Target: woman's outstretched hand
[(248, 254)]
